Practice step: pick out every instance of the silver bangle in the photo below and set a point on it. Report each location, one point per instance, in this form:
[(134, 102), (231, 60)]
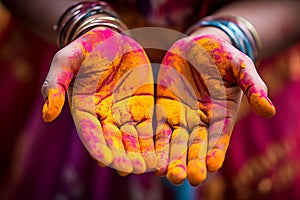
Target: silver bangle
[(84, 16), (96, 21)]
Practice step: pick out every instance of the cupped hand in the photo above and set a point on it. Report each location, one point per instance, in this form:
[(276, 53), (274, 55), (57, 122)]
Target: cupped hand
[(109, 82), (200, 84)]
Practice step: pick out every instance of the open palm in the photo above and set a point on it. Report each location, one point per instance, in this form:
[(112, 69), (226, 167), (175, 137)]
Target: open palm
[(110, 91), (200, 84)]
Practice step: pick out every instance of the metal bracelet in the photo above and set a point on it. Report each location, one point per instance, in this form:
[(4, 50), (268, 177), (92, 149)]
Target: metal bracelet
[(241, 33), (82, 17), (96, 21)]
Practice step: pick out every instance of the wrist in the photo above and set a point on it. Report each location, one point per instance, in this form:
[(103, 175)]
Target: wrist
[(242, 34)]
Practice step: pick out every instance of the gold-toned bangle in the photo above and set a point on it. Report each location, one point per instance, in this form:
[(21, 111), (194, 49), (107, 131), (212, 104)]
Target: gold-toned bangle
[(84, 16)]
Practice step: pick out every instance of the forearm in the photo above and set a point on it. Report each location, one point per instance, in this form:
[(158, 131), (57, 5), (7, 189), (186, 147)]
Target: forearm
[(39, 16), (277, 22)]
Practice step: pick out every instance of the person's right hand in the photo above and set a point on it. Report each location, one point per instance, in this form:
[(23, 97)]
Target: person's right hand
[(200, 83), (110, 91)]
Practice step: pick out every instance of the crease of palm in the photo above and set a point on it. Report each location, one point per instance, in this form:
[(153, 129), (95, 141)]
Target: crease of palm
[(213, 75), (120, 100)]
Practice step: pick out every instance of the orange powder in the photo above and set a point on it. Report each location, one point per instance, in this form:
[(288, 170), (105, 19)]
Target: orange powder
[(53, 105)]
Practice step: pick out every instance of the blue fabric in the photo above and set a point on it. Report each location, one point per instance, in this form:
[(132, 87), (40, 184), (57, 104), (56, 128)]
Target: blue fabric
[(184, 191)]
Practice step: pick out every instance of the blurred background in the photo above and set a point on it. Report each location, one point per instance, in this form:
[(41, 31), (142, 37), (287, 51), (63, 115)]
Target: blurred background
[(262, 161)]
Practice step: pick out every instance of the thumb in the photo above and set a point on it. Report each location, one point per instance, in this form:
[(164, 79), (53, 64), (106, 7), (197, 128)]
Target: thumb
[(255, 89), (63, 67)]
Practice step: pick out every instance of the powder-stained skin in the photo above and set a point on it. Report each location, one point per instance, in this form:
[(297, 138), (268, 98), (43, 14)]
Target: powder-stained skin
[(110, 91), (200, 83)]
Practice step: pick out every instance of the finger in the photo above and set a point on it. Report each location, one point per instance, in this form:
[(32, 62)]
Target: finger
[(145, 136), (177, 170), (133, 110), (113, 139), (61, 72), (243, 71), (255, 89), (91, 133), (196, 169), (162, 148), (53, 103), (168, 113), (132, 147), (64, 66), (218, 140)]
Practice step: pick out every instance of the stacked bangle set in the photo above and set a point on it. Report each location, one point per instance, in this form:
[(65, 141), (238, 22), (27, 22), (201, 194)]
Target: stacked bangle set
[(242, 34), (84, 16)]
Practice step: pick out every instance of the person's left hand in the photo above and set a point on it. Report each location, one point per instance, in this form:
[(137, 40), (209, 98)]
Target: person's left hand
[(198, 96), (109, 81)]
